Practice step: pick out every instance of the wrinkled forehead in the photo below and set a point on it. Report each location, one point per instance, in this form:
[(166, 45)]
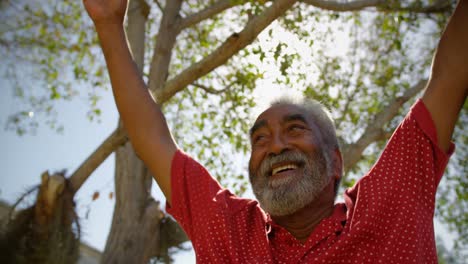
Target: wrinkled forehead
[(282, 112)]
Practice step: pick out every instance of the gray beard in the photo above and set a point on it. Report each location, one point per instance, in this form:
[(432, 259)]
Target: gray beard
[(292, 193)]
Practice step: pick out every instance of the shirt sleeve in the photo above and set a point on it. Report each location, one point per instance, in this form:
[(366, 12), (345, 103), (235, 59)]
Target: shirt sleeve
[(409, 168), (197, 197), (419, 129)]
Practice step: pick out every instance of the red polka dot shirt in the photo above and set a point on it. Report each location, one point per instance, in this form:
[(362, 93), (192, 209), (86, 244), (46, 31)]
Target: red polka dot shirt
[(387, 217)]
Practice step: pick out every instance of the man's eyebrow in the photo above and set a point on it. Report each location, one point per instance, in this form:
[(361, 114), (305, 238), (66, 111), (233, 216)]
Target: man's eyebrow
[(257, 126), (295, 117), (288, 118)]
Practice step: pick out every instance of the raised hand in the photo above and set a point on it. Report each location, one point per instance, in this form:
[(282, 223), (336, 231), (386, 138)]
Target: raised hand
[(142, 117), (106, 11)]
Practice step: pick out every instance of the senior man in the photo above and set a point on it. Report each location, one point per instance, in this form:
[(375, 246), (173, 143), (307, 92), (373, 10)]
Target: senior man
[(295, 168)]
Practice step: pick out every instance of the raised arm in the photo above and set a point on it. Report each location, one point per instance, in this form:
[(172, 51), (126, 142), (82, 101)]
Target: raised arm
[(448, 86), (142, 117)]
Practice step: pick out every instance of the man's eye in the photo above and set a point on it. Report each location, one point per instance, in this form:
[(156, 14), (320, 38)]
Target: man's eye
[(258, 138), (296, 127)]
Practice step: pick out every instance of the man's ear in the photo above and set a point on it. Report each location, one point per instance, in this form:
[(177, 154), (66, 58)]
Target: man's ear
[(337, 168)]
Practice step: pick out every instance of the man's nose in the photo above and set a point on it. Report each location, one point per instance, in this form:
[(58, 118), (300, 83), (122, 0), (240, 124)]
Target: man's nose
[(278, 144)]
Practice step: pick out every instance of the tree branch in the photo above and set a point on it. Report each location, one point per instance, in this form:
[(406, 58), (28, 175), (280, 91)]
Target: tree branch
[(137, 14), (116, 139), (208, 12), (212, 90), (159, 5), (374, 131), (382, 5), (222, 54), (166, 38)]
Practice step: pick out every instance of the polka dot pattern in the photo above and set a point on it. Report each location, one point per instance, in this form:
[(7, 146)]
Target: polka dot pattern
[(387, 217)]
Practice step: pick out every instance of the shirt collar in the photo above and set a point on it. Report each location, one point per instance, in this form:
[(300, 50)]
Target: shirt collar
[(337, 220)]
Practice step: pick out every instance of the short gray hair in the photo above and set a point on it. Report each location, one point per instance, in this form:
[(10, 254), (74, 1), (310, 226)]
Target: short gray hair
[(322, 119)]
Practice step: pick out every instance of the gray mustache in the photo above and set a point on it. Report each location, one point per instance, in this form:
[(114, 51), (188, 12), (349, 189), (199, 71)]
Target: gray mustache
[(289, 156)]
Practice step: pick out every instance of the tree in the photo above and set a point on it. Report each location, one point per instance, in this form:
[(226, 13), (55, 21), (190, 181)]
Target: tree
[(198, 56), (449, 257)]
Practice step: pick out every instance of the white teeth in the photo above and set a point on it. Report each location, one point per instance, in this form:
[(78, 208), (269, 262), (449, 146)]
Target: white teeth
[(285, 167)]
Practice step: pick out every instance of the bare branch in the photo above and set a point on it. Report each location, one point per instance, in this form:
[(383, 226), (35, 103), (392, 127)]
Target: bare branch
[(137, 14), (222, 54), (374, 131), (381, 5), (116, 139), (166, 38), (12, 210), (159, 5), (212, 90), (208, 12)]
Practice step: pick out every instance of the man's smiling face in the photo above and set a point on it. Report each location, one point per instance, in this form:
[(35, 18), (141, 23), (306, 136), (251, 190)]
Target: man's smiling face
[(287, 167)]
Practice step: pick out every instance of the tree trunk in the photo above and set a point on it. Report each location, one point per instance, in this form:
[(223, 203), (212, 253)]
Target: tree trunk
[(134, 235)]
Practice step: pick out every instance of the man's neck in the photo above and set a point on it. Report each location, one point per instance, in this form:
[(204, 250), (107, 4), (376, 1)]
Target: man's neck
[(303, 222)]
